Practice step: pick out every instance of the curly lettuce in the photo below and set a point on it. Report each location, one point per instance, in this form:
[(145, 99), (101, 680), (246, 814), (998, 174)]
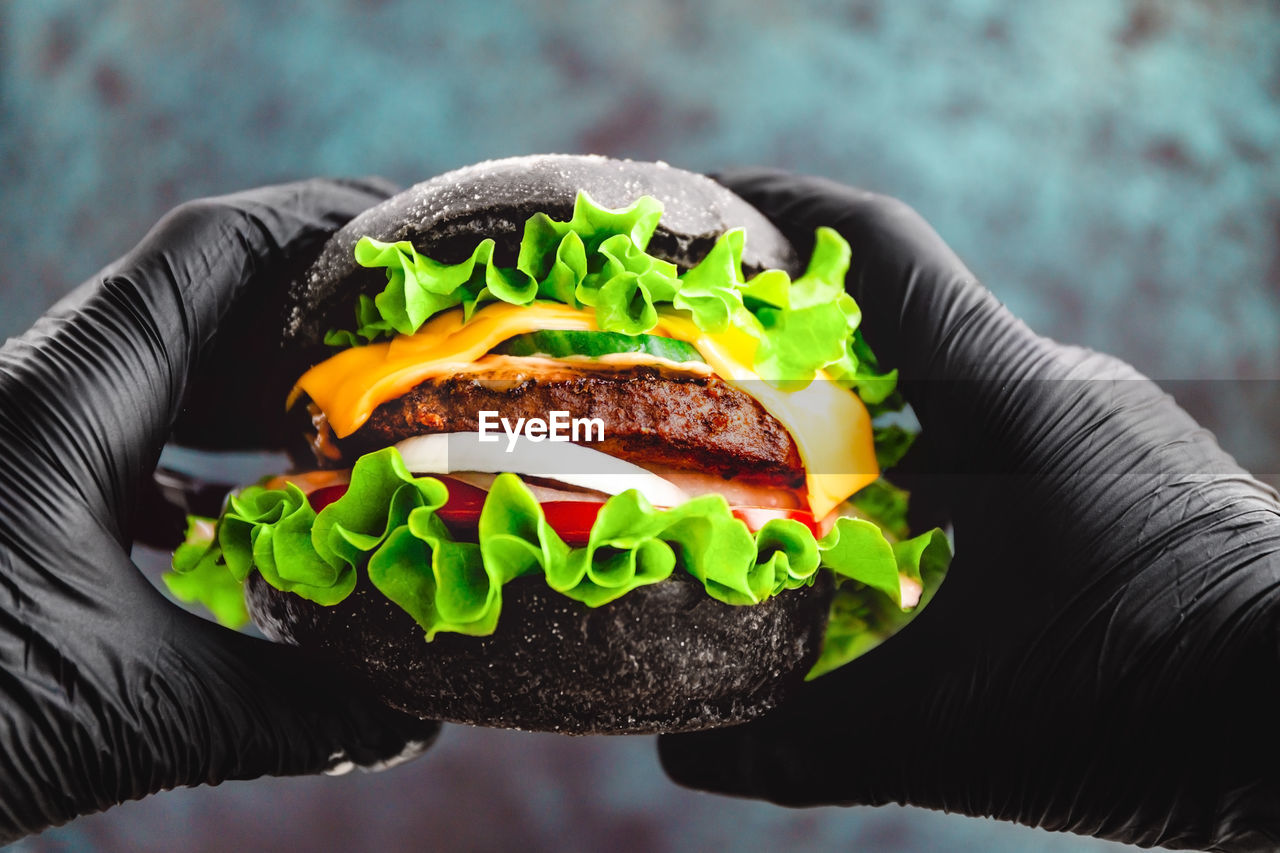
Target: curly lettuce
[(597, 261), (387, 525)]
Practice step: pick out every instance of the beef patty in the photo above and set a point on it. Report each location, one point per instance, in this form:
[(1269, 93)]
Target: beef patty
[(691, 422)]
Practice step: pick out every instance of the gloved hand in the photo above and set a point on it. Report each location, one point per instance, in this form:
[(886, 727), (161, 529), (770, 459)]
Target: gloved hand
[(107, 691), (1102, 657)]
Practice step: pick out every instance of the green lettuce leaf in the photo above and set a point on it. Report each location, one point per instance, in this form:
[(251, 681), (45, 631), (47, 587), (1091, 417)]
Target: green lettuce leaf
[(386, 525), (891, 442), (200, 576), (271, 530), (886, 505), (597, 260), (863, 616), (381, 496)]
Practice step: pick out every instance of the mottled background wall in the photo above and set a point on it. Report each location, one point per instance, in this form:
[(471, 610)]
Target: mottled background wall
[(1109, 168)]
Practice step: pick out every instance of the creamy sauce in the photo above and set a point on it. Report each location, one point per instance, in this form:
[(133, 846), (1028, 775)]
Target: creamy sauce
[(737, 493), (507, 371), (544, 491)]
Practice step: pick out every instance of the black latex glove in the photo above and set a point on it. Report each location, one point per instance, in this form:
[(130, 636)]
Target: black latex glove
[(1102, 657), (107, 691)]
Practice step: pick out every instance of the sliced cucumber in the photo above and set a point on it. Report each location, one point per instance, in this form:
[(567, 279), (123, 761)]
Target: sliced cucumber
[(562, 343)]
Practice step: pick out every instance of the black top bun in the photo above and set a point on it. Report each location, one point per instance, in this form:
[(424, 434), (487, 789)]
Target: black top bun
[(665, 657), (448, 215)]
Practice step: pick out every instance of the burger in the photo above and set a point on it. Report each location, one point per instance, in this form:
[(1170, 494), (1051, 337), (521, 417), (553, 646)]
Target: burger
[(590, 449)]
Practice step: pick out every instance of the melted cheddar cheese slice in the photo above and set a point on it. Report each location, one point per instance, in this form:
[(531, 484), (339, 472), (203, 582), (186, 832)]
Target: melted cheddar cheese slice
[(830, 425)]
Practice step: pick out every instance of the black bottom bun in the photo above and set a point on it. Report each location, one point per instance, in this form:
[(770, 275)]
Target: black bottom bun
[(662, 658)]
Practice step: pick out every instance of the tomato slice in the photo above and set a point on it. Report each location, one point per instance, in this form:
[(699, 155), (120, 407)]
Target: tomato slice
[(572, 520), (321, 498), (463, 496), (461, 513), (755, 517)]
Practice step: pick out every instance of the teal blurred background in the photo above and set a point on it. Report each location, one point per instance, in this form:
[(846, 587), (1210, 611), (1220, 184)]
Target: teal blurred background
[(1108, 167)]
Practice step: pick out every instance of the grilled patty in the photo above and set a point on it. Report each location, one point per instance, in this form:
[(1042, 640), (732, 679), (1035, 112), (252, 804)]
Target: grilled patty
[(691, 422)]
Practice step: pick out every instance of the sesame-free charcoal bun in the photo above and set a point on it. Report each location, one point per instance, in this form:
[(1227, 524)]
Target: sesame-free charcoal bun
[(448, 215), (663, 658)]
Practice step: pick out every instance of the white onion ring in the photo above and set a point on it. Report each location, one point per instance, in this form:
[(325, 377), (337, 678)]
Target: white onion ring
[(573, 464)]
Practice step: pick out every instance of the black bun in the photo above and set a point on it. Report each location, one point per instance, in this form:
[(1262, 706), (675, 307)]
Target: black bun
[(447, 216), (663, 658), (666, 657)]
